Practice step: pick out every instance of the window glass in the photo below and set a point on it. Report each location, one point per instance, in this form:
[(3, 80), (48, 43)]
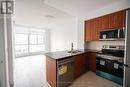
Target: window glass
[(21, 39), (40, 39), (28, 40), (36, 48), (20, 49), (33, 39)]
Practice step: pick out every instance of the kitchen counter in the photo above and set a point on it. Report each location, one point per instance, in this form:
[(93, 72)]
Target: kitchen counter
[(68, 66), (64, 54)]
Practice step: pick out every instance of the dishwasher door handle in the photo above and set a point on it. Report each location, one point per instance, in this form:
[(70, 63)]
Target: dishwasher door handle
[(65, 62)]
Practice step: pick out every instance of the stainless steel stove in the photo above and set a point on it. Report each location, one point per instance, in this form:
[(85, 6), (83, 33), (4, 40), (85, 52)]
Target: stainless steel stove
[(109, 63)]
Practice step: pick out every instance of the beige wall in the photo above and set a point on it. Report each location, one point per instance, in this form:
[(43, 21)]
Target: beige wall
[(97, 45)]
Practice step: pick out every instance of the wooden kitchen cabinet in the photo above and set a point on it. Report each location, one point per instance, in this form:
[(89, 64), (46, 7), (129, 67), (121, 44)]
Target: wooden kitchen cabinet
[(80, 65), (84, 63), (107, 22), (97, 27), (117, 20), (92, 61), (114, 20), (91, 30), (51, 71), (88, 30)]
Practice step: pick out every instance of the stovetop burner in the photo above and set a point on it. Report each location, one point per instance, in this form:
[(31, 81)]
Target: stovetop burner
[(117, 53)]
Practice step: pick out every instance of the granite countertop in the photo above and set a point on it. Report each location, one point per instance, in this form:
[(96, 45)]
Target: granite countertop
[(64, 54)]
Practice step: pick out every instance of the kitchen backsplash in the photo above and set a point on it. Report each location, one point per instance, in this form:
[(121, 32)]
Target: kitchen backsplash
[(97, 45)]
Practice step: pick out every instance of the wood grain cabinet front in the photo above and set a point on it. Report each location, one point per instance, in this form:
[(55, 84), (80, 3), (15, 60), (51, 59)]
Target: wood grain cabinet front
[(51, 72), (107, 22), (88, 30), (92, 61), (79, 65), (91, 30), (82, 63), (117, 20)]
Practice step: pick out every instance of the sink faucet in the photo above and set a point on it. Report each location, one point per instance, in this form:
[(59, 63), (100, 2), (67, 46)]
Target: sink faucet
[(72, 47)]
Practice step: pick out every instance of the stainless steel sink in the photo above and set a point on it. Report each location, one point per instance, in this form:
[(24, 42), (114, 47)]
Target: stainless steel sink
[(74, 51)]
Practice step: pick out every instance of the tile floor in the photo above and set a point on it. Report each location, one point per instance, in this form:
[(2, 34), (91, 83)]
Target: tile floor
[(30, 72), (90, 79)]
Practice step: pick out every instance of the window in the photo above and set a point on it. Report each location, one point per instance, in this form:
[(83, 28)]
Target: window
[(21, 39), (33, 39), (36, 43), (28, 40), (21, 43)]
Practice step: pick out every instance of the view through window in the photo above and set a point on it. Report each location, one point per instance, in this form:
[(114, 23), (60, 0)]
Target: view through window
[(29, 40)]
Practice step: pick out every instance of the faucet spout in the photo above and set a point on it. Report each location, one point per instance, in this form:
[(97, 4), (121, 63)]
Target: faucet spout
[(72, 47)]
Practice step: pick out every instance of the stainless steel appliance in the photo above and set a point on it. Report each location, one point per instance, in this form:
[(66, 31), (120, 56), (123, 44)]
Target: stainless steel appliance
[(109, 63), (114, 34), (65, 72), (127, 52)]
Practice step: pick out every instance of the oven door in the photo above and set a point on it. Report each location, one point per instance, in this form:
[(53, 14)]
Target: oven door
[(101, 65), (110, 70)]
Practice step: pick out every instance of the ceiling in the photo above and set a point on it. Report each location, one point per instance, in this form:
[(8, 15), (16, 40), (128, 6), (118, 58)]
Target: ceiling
[(79, 7), (51, 13), (37, 13)]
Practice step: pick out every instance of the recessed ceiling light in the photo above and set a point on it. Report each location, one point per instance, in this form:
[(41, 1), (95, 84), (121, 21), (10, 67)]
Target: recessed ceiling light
[(49, 16)]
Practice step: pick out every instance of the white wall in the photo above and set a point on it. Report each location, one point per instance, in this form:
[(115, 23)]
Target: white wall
[(102, 11), (80, 34), (64, 34), (63, 26)]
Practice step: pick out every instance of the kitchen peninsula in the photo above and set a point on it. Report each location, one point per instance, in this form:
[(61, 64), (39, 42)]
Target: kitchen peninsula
[(63, 67)]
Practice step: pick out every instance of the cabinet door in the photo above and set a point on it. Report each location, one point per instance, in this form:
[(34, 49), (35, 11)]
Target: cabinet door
[(92, 61), (88, 34), (90, 30), (105, 22), (97, 27), (87, 62), (79, 65), (51, 71), (117, 20), (93, 30), (111, 21)]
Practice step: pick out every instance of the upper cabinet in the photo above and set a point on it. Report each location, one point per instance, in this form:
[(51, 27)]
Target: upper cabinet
[(117, 20), (111, 21), (105, 22), (91, 29)]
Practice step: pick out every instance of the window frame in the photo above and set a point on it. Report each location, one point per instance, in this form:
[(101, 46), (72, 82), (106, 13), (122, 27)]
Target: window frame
[(29, 53)]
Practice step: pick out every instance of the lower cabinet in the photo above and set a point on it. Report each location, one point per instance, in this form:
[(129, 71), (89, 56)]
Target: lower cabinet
[(84, 63), (80, 65), (92, 61), (51, 71)]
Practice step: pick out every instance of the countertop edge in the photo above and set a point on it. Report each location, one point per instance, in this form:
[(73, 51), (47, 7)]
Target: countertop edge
[(56, 55)]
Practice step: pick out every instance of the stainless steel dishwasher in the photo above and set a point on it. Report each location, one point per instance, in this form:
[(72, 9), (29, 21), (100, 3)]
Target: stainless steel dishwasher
[(65, 72)]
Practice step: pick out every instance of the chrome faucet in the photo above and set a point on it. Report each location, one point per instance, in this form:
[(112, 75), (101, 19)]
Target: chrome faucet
[(72, 47)]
